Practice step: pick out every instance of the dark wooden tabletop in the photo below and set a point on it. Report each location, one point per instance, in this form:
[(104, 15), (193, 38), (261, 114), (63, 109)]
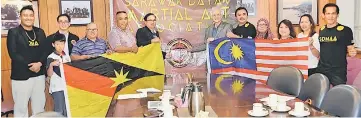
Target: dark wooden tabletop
[(228, 96)]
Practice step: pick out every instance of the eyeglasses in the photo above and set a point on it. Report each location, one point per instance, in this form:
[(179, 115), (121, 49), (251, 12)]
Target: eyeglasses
[(262, 24), (92, 29), (63, 22)]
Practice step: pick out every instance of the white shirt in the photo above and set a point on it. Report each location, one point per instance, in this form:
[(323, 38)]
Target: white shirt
[(66, 47), (312, 60), (57, 82)]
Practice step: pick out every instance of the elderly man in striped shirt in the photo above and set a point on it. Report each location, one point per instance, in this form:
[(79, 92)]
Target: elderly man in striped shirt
[(90, 46)]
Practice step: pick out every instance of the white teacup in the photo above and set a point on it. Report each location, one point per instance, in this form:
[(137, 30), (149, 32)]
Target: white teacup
[(272, 100), (258, 108), (166, 94), (300, 107), (281, 106)]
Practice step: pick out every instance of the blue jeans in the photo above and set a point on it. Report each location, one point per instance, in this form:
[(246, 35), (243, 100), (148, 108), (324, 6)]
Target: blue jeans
[(59, 102)]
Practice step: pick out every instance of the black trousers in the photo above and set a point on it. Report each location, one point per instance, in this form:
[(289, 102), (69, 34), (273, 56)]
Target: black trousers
[(336, 76), (311, 71)]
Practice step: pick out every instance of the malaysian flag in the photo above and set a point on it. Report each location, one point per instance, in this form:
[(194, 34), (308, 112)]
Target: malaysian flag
[(257, 58)]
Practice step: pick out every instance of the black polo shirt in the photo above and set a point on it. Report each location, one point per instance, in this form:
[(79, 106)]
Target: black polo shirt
[(333, 46), (245, 31), (333, 52)]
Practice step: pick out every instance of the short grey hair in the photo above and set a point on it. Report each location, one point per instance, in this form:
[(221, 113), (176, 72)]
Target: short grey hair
[(217, 8)]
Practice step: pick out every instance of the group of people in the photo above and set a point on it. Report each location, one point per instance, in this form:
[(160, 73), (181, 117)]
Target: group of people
[(36, 59), (77, 12), (328, 49)]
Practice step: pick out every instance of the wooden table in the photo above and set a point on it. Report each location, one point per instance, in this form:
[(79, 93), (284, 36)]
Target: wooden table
[(225, 100)]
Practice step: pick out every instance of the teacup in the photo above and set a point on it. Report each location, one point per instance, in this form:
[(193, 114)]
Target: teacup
[(281, 106), (300, 107), (258, 108), (272, 100), (166, 94)]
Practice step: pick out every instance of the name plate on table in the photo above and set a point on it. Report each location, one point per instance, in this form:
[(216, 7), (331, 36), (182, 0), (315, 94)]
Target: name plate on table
[(183, 112)]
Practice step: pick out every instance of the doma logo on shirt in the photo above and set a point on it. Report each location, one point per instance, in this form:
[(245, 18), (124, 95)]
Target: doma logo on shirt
[(328, 39)]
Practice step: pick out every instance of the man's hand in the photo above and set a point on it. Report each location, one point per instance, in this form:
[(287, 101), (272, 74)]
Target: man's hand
[(35, 67), (231, 35), (86, 57), (155, 40), (276, 39), (210, 39), (109, 52), (55, 63), (134, 49), (73, 42), (168, 55), (352, 52)]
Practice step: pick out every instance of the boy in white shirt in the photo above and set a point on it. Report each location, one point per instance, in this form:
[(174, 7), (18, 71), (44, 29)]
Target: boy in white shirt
[(55, 72)]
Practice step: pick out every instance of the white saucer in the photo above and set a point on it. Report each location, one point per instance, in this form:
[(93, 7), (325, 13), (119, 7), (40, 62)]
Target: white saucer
[(161, 108), (282, 110), (171, 97), (178, 95), (265, 113), (303, 114), (172, 117)]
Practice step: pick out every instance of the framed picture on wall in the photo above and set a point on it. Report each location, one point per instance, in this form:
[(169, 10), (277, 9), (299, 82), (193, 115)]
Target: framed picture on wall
[(10, 14), (80, 11), (250, 5), (294, 9)]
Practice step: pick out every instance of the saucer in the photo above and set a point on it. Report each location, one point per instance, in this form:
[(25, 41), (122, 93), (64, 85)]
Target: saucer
[(178, 95), (265, 113), (170, 97), (287, 108), (303, 114), (161, 108)]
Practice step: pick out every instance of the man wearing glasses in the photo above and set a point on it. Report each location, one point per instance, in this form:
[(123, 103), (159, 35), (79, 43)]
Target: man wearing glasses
[(90, 46), (149, 33), (63, 24)]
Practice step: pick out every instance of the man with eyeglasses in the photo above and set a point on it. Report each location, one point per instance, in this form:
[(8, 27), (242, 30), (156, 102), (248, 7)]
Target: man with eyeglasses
[(89, 47), (148, 34), (70, 39)]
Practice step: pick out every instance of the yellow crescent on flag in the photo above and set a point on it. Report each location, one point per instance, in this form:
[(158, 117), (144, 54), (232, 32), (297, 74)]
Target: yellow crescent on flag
[(218, 83), (216, 53)]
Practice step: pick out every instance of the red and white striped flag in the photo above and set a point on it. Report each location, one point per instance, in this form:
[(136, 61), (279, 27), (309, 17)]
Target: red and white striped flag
[(271, 54)]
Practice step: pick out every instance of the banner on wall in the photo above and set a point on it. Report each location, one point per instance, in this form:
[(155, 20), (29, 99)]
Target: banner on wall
[(92, 84), (257, 58), (181, 24)]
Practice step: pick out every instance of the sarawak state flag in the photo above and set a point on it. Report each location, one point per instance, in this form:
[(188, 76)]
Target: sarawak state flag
[(92, 84)]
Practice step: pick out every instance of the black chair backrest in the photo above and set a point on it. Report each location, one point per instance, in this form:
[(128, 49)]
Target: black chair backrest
[(286, 79), (315, 89), (343, 101)]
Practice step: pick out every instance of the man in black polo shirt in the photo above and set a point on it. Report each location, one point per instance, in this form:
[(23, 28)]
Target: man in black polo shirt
[(242, 29), (335, 43)]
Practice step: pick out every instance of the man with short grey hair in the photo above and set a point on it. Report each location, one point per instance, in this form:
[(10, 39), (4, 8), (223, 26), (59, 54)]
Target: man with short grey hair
[(218, 29)]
